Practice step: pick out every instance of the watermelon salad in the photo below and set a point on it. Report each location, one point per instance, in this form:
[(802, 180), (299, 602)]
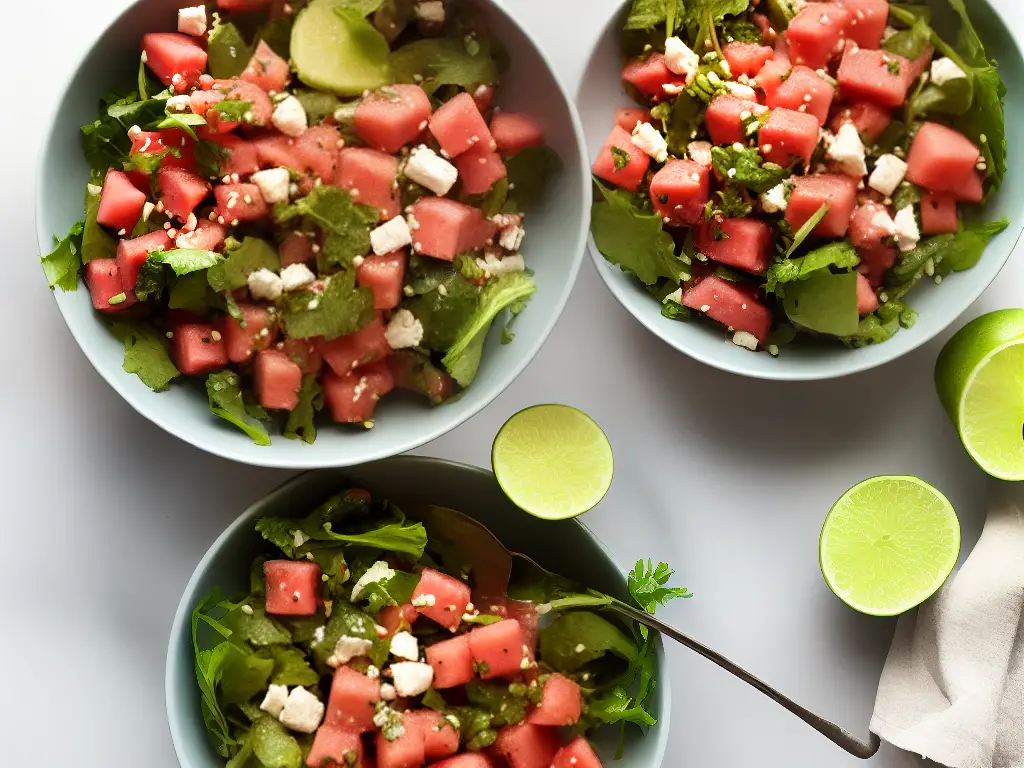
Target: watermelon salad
[(797, 167), (365, 643), (308, 205)]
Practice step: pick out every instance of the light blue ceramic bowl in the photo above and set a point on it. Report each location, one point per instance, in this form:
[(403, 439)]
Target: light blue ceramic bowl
[(938, 305), (554, 250), (566, 547)]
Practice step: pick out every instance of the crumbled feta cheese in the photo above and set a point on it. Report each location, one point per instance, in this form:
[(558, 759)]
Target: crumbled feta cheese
[(907, 232), (676, 296), (348, 648), (430, 170), (741, 91), (847, 150), (318, 634), (274, 184), (424, 601), (299, 538), (296, 276), (179, 103), (883, 221), (302, 712), (650, 141), (889, 32), (495, 267), (944, 70), (775, 199), (888, 174), (192, 21), (745, 340), (680, 59), (430, 11), (511, 238), (290, 117), (275, 700), (412, 677), (264, 284), (377, 572), (388, 692), (391, 236), (372, 672), (700, 152), (404, 331), (405, 646)]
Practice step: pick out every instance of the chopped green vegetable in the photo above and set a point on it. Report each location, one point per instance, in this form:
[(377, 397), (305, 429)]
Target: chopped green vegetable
[(824, 302), (444, 61), (224, 390), (250, 256), (840, 255), (97, 243), (681, 120), (273, 746), (341, 309), (301, 422), (529, 172), (145, 354), (228, 52), (63, 263), (151, 279), (746, 168), (805, 231)]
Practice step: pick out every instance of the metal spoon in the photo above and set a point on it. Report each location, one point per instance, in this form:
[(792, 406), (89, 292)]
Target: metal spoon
[(492, 565)]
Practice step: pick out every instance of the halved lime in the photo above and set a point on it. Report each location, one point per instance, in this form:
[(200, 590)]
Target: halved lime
[(888, 544), (553, 461), (980, 379)]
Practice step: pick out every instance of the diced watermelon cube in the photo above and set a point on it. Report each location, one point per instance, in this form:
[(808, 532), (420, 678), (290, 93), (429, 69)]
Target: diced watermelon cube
[(317, 151), (201, 101), (440, 739), (747, 58), (788, 136), (333, 745), (266, 69), (305, 353), (242, 342), (181, 191), (467, 760), (938, 214), (877, 76), (514, 132), (774, 73), (371, 177), (175, 59), (867, 301), (277, 380), (452, 661), (483, 95), (609, 167), (747, 243), (243, 6), (120, 203), (920, 64), (238, 156), (730, 305), (207, 236), (725, 119), (815, 34), (804, 91), (971, 188), (871, 226), (261, 109), (415, 372), (388, 120), (407, 751), (277, 151), (680, 191), (561, 703), (444, 598), (627, 117), (353, 398), (445, 228), (870, 119), (198, 348), (352, 700), (240, 202), (346, 353), (650, 76), (498, 649), (868, 19), (132, 254), (839, 192), (576, 754), (103, 279), (940, 158), (397, 617), (297, 248), (458, 126), (479, 169), (383, 275), (875, 262), (182, 148), (527, 746)]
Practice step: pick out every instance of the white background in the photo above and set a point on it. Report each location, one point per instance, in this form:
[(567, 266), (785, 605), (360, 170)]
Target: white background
[(105, 515)]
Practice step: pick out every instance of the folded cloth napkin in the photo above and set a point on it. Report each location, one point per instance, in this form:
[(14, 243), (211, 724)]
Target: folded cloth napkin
[(953, 685)]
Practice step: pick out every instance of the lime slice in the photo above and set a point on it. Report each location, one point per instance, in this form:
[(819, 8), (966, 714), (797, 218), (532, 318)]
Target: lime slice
[(888, 545), (553, 461), (980, 380), (335, 49)]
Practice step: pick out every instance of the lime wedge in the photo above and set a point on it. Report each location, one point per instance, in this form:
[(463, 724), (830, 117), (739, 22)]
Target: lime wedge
[(980, 380), (888, 545), (553, 461)]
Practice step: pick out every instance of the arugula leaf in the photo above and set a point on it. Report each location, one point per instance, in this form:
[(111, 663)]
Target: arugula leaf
[(841, 255), (463, 357), (634, 239), (191, 292), (529, 172), (301, 422), (145, 354), (62, 264), (681, 119), (291, 667), (105, 141), (397, 536), (232, 110), (318, 104), (97, 243), (444, 61), (224, 391), (186, 121), (824, 302), (396, 590), (954, 252), (420, 374), (273, 746), (227, 51), (181, 261), (209, 668), (911, 42), (446, 302), (233, 272), (648, 14), (244, 675), (617, 706), (708, 14), (746, 168), (805, 231), (561, 641), (343, 308), (254, 626)]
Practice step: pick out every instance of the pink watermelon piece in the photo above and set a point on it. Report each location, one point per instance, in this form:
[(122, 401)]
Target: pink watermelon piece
[(352, 701), (747, 243), (120, 202), (201, 101), (870, 226), (747, 58), (277, 151), (412, 373), (383, 275), (260, 106), (183, 146), (650, 76), (239, 156), (296, 248), (788, 136), (277, 380), (207, 236), (452, 661), (440, 739), (266, 69), (353, 398), (175, 59), (815, 34), (458, 126), (804, 91), (561, 703), (839, 192), (197, 349), (479, 169), (576, 754), (938, 214), (397, 617), (514, 132), (680, 191), (333, 745), (240, 202), (627, 118), (875, 262), (940, 158), (242, 342), (876, 76), (971, 188), (445, 598), (243, 6), (181, 192), (729, 304), (527, 745), (867, 301), (468, 760), (132, 254), (725, 118), (484, 95), (370, 176), (317, 151), (103, 279), (498, 649), (868, 19), (407, 751), (445, 228), (870, 119), (391, 118), (630, 175), (347, 353), (293, 587), (305, 353)]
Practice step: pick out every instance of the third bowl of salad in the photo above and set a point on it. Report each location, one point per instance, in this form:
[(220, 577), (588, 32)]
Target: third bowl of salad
[(793, 190)]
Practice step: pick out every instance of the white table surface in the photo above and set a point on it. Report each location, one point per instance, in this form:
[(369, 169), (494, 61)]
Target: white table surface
[(105, 515)]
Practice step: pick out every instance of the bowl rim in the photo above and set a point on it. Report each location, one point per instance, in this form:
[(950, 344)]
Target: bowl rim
[(305, 460), (790, 373), (183, 612)]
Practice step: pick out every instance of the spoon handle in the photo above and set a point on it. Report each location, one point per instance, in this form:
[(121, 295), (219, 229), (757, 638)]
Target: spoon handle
[(826, 728)]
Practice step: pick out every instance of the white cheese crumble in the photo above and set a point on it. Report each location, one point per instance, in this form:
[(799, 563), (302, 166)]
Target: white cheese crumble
[(430, 170), (888, 174), (290, 118), (405, 646), (511, 238), (677, 297), (388, 692), (348, 648), (391, 236), (680, 59), (424, 601), (700, 152), (179, 104), (404, 331), (650, 141), (775, 199), (412, 677), (274, 184), (847, 150), (379, 571), (741, 91), (495, 267), (192, 21), (430, 11), (883, 221), (302, 712), (274, 701), (745, 340), (907, 232), (264, 284), (296, 276), (944, 70)]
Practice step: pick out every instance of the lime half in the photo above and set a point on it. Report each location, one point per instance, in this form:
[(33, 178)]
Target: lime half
[(553, 461), (980, 380), (888, 545)]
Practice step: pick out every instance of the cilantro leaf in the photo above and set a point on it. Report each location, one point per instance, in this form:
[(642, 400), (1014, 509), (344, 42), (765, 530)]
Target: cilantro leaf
[(841, 255), (628, 235), (291, 667), (233, 272), (232, 110), (529, 172), (648, 14), (145, 354), (191, 292), (228, 52), (647, 585), (224, 391), (346, 223), (182, 261), (617, 706), (445, 61), (824, 302), (463, 357), (746, 168), (97, 243), (301, 422), (343, 308), (681, 120), (446, 302), (62, 264), (186, 121)]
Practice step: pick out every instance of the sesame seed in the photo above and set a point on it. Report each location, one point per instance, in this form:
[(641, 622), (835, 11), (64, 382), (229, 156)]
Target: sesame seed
[(247, 199), (216, 335), (169, 334), (234, 222)]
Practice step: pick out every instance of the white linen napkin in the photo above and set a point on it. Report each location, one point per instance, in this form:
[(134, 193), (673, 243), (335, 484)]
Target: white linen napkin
[(952, 689)]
